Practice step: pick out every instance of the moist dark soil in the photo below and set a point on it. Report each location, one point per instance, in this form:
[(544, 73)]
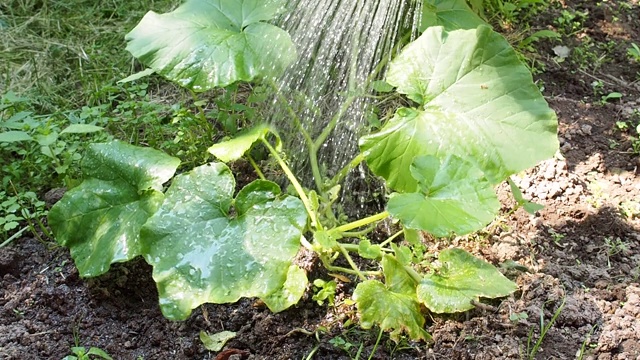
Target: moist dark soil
[(582, 253)]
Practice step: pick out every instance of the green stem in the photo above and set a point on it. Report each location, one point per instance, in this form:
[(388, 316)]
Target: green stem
[(350, 247), (44, 229), (294, 116), (345, 170), (311, 147), (345, 253), (334, 121), (375, 347), (354, 248), (294, 181), (391, 238), (256, 167), (414, 274), (355, 234), (351, 271), (306, 243), (315, 169), (317, 143), (363, 222), (14, 236)]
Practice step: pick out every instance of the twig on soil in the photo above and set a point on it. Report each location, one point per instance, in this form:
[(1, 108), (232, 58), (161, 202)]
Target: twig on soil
[(596, 78), (485, 307), (298, 330), (632, 86)]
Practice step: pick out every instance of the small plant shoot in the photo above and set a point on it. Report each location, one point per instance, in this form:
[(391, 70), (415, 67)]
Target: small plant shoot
[(472, 118)]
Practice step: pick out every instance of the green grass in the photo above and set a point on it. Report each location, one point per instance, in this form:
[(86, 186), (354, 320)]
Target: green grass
[(60, 61), (63, 53)]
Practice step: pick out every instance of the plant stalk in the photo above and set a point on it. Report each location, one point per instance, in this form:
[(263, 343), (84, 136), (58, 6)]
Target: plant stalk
[(345, 170), (363, 222), (346, 255), (294, 181), (256, 167), (391, 238), (14, 236)]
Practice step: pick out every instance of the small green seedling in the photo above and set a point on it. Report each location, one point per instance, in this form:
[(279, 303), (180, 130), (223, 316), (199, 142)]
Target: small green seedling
[(614, 246), (556, 236), (622, 126), (515, 317), (532, 349), (326, 291), (611, 96), (630, 209), (81, 353), (634, 52)]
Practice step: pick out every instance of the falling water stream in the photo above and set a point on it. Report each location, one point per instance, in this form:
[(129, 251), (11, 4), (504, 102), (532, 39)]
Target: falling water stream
[(340, 44)]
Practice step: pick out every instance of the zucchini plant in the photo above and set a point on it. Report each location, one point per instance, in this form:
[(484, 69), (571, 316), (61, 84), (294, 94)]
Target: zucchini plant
[(476, 118)]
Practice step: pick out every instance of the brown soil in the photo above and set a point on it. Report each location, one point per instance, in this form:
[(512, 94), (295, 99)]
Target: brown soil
[(581, 250)]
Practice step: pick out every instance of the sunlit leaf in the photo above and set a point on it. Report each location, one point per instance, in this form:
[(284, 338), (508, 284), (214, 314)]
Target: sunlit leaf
[(235, 148), (462, 278), (212, 43), (476, 100), (527, 205), (452, 197), (392, 306), (137, 76)]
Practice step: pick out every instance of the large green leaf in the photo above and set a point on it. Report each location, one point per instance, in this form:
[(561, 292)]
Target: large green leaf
[(461, 279), (393, 306), (209, 43), (100, 219), (477, 101), (451, 14), (453, 196), (203, 250)]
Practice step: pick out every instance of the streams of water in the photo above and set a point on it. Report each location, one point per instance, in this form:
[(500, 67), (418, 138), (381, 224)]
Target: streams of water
[(340, 43)]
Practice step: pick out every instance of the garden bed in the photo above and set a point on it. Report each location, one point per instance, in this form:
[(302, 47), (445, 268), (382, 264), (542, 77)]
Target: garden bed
[(580, 255)]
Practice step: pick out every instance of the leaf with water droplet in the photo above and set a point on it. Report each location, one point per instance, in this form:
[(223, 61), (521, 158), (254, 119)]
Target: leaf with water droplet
[(291, 291), (393, 305), (453, 196), (477, 101), (461, 279), (246, 254), (100, 219), (205, 44)]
